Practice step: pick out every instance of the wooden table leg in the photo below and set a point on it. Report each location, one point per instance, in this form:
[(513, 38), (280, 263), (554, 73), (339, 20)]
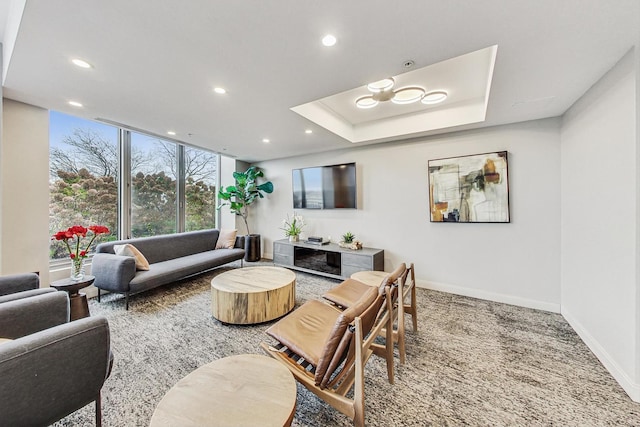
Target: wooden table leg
[(79, 308)]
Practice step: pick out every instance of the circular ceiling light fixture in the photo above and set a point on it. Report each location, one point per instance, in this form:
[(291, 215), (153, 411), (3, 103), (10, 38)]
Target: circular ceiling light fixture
[(219, 90), (382, 90), (308, 131), (434, 97), (329, 40), (381, 85), (170, 132), (75, 103), (366, 102), (408, 95)]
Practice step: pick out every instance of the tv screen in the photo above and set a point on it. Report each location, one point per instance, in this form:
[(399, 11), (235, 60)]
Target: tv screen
[(325, 187)]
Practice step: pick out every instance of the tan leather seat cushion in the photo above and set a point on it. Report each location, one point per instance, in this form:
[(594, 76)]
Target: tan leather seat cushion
[(346, 293), (319, 333), (306, 330)]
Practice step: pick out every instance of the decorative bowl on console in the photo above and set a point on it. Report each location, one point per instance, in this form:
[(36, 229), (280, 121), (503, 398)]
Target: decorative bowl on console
[(354, 245)]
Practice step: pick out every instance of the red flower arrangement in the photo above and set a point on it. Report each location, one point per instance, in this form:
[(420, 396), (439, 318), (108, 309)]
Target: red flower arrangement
[(79, 232)]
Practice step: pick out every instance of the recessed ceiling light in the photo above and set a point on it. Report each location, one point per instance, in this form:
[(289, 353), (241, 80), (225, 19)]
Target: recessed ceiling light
[(408, 95), (434, 97), (219, 90), (308, 131), (266, 140), (75, 103), (170, 132), (329, 40), (81, 63)]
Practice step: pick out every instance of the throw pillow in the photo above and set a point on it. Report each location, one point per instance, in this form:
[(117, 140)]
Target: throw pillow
[(132, 251), (226, 239)]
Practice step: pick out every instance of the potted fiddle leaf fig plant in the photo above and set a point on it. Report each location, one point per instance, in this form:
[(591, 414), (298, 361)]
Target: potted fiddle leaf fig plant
[(240, 197)]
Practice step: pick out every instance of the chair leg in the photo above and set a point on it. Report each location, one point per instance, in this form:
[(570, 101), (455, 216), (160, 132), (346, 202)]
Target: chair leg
[(98, 294), (389, 347), (358, 388), (412, 309), (126, 301), (400, 335), (99, 410)]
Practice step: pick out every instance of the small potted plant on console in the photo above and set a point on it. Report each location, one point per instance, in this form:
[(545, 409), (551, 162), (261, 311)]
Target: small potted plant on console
[(348, 241), (292, 227)]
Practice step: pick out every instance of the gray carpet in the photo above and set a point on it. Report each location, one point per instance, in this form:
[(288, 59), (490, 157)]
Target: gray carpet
[(472, 362)]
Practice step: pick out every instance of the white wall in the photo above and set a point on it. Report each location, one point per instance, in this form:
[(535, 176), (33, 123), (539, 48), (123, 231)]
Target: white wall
[(24, 178), (227, 167), (514, 263), (600, 221)]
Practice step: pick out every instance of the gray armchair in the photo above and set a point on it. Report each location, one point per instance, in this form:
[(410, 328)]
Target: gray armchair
[(17, 286), (50, 367)]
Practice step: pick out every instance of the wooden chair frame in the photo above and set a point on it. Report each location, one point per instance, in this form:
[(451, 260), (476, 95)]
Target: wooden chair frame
[(349, 374), (405, 287), (395, 280)]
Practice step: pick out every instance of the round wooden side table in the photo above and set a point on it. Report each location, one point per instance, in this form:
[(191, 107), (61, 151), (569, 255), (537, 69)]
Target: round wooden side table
[(79, 307), (245, 390), (371, 278)]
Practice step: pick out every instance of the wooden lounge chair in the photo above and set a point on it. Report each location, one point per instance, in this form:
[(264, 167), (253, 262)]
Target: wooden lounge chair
[(326, 349), (348, 291)]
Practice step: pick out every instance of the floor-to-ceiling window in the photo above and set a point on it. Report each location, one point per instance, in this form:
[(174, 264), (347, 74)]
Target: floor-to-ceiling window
[(169, 187), (83, 176), (153, 186), (201, 170)]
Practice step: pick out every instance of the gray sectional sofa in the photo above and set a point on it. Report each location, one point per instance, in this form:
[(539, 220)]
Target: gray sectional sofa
[(171, 257)]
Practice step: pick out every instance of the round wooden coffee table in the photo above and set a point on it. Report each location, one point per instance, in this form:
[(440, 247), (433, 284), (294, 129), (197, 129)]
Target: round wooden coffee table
[(253, 294), (244, 390)]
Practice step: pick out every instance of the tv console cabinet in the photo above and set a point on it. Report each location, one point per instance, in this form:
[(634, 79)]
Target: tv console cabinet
[(328, 260)]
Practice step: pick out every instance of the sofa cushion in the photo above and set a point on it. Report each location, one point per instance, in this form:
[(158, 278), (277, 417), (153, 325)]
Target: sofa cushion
[(168, 246), (130, 250), (226, 239), (164, 272)]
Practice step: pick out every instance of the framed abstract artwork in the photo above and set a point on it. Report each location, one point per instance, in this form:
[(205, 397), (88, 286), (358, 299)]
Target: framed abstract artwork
[(471, 188)]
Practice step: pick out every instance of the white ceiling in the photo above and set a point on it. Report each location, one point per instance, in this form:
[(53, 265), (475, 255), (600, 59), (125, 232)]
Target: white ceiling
[(155, 63), (466, 79)]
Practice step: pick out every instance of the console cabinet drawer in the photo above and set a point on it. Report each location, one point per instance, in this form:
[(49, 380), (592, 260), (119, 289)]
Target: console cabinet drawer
[(363, 262), (282, 259), (280, 249), (282, 254)]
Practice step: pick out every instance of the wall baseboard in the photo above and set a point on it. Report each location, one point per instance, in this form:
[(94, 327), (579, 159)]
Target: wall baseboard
[(480, 294), (490, 296), (627, 383)]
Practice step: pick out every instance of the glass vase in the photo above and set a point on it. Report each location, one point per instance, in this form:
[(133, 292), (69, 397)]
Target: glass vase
[(77, 269)]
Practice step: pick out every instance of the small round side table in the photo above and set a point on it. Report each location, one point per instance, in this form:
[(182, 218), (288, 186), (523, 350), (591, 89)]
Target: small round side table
[(371, 278), (79, 307)]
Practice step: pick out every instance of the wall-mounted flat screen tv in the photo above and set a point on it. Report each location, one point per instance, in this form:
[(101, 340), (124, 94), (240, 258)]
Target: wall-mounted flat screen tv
[(325, 187)]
